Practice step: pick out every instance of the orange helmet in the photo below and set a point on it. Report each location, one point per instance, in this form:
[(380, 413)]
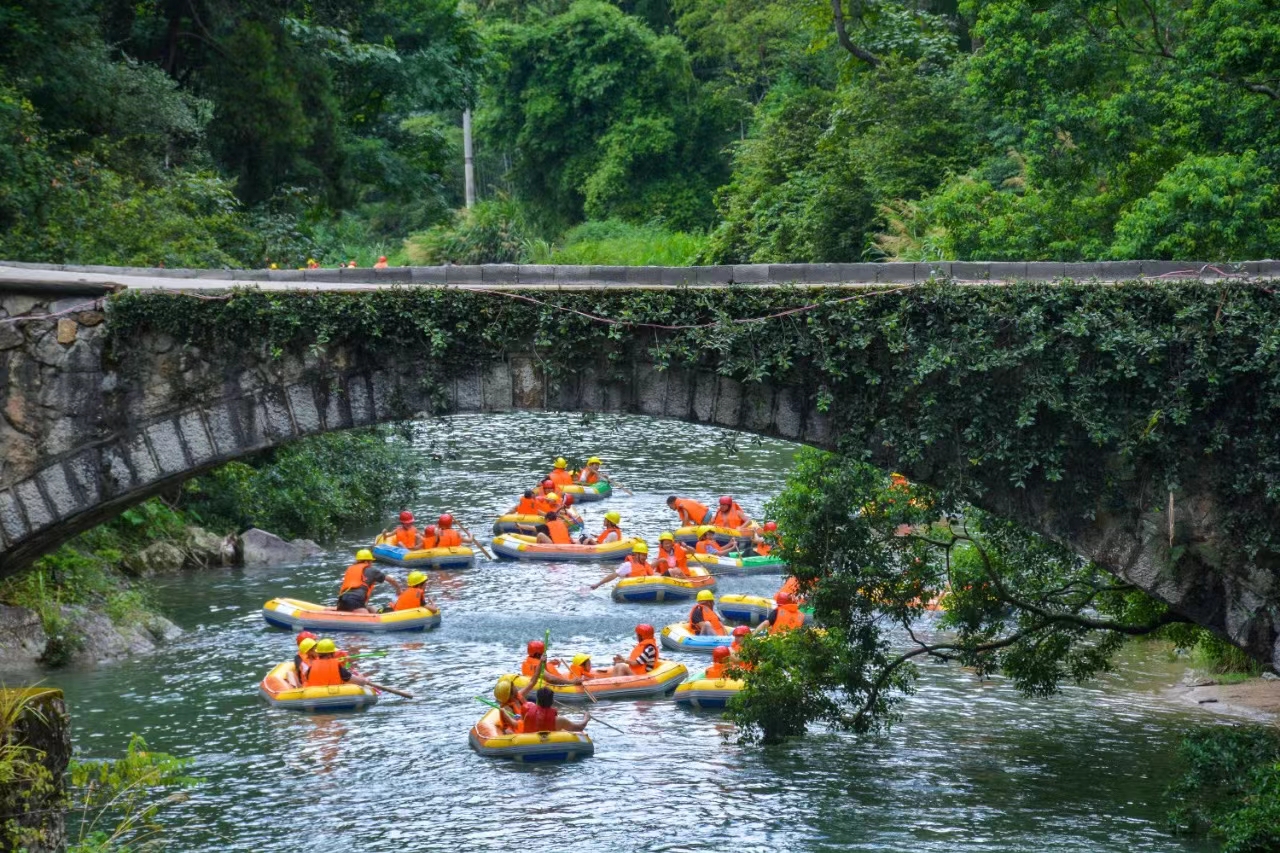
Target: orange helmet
[(431, 530), (725, 500), (741, 631), (783, 598), (406, 517), (568, 500), (770, 526), (445, 521), (721, 652), (536, 647), (644, 632), (304, 635)]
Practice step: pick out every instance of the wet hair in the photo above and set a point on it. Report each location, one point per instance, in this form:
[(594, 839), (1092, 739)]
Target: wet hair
[(551, 516), (528, 493), (545, 697), (671, 500)]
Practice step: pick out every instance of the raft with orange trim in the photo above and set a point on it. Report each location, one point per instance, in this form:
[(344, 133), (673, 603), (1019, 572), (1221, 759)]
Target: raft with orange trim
[(280, 689), (723, 535), (708, 693), (656, 683), (733, 565), (662, 588), (587, 494), (512, 521), (678, 637), (456, 557), (296, 615), (751, 609), (488, 739), (513, 546)]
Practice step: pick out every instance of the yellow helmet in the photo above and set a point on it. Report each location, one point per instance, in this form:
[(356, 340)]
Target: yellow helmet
[(561, 462), (416, 578), (594, 460), (613, 516), (666, 536), (579, 659), (704, 530), (502, 690), (639, 548), (706, 595), (364, 555), (325, 647), (306, 645)]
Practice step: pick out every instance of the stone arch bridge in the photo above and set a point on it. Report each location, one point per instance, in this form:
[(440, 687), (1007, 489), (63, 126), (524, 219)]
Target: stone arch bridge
[(83, 439)]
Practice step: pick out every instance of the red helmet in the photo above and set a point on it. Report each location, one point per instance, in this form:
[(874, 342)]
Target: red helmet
[(431, 530), (549, 485), (741, 631), (725, 500), (644, 632), (536, 647), (445, 521), (304, 635), (770, 526), (783, 598), (721, 652), (406, 517), (568, 500)]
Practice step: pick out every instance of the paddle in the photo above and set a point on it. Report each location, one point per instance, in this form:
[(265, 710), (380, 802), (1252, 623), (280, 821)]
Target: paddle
[(493, 705), (391, 690), (381, 653), (476, 542)]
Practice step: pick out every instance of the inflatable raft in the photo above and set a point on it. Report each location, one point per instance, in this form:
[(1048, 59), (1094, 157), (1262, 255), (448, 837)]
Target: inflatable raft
[(278, 690), (734, 565), (651, 685), (709, 693), (660, 588), (750, 609), (678, 637), (513, 546), (296, 615), (458, 557), (488, 739), (589, 494), (510, 523), (723, 535)]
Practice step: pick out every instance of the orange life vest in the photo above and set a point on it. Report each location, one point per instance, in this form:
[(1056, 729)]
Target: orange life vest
[(763, 548), (640, 567), (413, 596), (449, 538), (559, 532), (709, 546), (536, 719), (527, 506), (609, 534), (676, 559), (691, 512), (732, 517), (640, 653), (323, 672), (543, 505), (791, 587), (716, 670), (530, 666), (560, 477), (708, 615), (789, 618), (430, 541), (579, 671), (588, 477), (353, 580), (405, 537)]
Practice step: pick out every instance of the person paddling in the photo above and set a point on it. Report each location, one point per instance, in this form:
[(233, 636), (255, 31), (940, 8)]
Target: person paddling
[(358, 583), (707, 543), (528, 505), (720, 656), (611, 531), (764, 543), (560, 475), (672, 559), (636, 565), (690, 511), (415, 594), (643, 657), (404, 536), (551, 671), (556, 533), (327, 671), (302, 660), (592, 474), (730, 514), (510, 704), (541, 716), (786, 616), (703, 618)]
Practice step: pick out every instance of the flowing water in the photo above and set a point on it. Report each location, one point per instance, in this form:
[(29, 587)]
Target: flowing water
[(972, 767)]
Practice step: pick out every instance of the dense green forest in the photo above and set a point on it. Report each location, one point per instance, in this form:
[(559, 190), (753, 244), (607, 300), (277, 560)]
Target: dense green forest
[(212, 132)]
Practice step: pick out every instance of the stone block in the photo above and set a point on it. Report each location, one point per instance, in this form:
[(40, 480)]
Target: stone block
[(750, 273), (679, 391), (287, 275), (788, 415), (140, 460), (1171, 269), (57, 488), (195, 437), (117, 478), (468, 393), (859, 273), (720, 274), (896, 273), (1046, 270), (276, 423), (225, 428), (497, 387), (11, 518), (527, 391), (428, 275), (336, 415), (38, 513), (704, 396), (464, 274), (384, 389), (728, 410), (970, 271), (323, 276), (823, 273), (757, 412), (390, 275), (536, 274), (608, 276), (644, 275), (67, 330), (84, 471), (508, 274), (679, 276), (933, 270), (1262, 269), (1120, 270), (817, 429), (90, 318), (784, 273), (361, 401), (651, 390), (220, 275), (305, 413), (1007, 270), (166, 444)]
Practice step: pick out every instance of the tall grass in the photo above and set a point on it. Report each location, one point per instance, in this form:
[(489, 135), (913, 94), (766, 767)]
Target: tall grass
[(614, 243)]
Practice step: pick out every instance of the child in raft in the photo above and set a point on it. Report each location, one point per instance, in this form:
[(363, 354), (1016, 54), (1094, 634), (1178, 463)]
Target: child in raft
[(707, 543), (541, 716), (611, 532), (643, 657), (592, 474), (636, 565), (672, 559)]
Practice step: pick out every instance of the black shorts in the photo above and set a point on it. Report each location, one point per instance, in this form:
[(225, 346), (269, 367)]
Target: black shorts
[(350, 601)]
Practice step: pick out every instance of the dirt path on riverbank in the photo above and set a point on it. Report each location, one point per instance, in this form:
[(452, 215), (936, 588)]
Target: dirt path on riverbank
[(1257, 699)]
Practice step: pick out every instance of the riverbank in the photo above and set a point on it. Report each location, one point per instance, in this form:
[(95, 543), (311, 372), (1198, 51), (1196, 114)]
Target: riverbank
[(1257, 699)]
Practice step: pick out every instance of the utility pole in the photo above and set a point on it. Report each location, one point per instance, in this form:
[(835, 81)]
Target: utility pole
[(468, 161)]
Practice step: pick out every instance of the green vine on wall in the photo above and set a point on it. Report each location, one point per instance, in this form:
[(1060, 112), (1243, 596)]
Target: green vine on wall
[(1080, 389)]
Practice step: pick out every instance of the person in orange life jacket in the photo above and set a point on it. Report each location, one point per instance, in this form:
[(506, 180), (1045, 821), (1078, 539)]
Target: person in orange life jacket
[(406, 535), (785, 617), (546, 502), (762, 546), (643, 657), (707, 543), (690, 511), (557, 532), (551, 673), (327, 670), (610, 533), (581, 668), (540, 716), (381, 263), (448, 536), (591, 474), (636, 565), (510, 704), (430, 537), (560, 475), (703, 618), (566, 512), (672, 560), (720, 656), (738, 633), (414, 594), (791, 587), (358, 583), (302, 659), (730, 515), (527, 505)]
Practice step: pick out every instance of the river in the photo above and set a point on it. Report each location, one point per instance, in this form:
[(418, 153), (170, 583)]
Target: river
[(972, 766)]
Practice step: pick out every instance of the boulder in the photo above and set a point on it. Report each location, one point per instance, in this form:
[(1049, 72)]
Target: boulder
[(156, 558), (260, 548), (103, 640), (208, 550), (22, 636)]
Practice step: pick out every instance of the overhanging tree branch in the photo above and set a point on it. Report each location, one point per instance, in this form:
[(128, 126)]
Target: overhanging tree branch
[(842, 34)]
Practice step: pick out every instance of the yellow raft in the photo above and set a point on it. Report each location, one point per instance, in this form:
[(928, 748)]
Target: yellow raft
[(662, 588), (587, 494), (513, 521), (709, 693), (487, 738), (658, 682), (735, 565), (750, 609), (513, 546), (281, 690), (723, 535), (296, 615)]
